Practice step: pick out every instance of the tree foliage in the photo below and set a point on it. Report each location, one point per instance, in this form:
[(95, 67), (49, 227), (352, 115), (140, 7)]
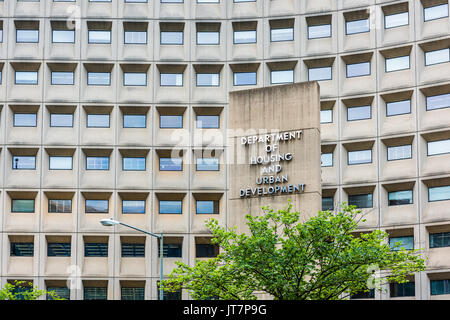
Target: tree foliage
[(22, 290), (323, 258)]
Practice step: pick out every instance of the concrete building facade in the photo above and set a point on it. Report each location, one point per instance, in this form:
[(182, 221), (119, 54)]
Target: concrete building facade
[(106, 107)]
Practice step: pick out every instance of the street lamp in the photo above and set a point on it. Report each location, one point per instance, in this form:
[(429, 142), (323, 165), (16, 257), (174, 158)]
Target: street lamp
[(111, 222)]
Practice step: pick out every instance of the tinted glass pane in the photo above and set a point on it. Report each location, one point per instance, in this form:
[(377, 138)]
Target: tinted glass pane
[(327, 203), (358, 113), (437, 56), (135, 37), (134, 120), (205, 250), (438, 101), (63, 36), (134, 79), (244, 78), (439, 193), (407, 289), (400, 197), (440, 240), (98, 120), (244, 36), (171, 250), (171, 121), (398, 107), (132, 293), (406, 242), (206, 207), (96, 206), (25, 119), (399, 152), (207, 164), (208, 79), (438, 147), (97, 163), (22, 249), (134, 164), (99, 78), (436, 12), (26, 77), (208, 122), (62, 292), (361, 200), (170, 206), (322, 31), (171, 37), (283, 76), (133, 206), (327, 159), (24, 162), (60, 163), (167, 296), (396, 20), (95, 249), (284, 34), (59, 206), (58, 249), (358, 69), (99, 36), (204, 37), (25, 205), (172, 79), (360, 156), (23, 35), (357, 26), (61, 120), (326, 116), (62, 78), (170, 164), (398, 63), (318, 74), (133, 250), (95, 293)]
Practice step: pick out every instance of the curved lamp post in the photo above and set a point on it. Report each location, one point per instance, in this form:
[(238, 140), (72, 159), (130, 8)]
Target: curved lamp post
[(111, 222)]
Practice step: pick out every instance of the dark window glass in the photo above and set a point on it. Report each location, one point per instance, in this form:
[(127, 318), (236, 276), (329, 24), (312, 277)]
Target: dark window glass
[(128, 293), (61, 120), (133, 206), (19, 289), (407, 289), (24, 162), (364, 295), (134, 120), (171, 295), (62, 292), (133, 250), (440, 287), (361, 200), (207, 207), (134, 164), (97, 206), (95, 249), (171, 122), (59, 206), (208, 122), (206, 250), (22, 249), (327, 203), (58, 249), (439, 240), (25, 205), (171, 250), (170, 164), (25, 119), (397, 243), (170, 207), (95, 293), (400, 197)]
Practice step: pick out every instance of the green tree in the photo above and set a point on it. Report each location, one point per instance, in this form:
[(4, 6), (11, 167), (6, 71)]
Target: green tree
[(323, 258), (22, 290)]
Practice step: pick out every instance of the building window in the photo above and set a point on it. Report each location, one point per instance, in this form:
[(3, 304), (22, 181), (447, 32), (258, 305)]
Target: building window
[(208, 79), (319, 74), (24, 162), (94, 293), (438, 101), (244, 36), (438, 147), (97, 120), (133, 206), (397, 243), (96, 206), (361, 200), (208, 37), (63, 36), (99, 79), (357, 26), (128, 293), (281, 34), (359, 113), (359, 157), (244, 78), (438, 193), (281, 76), (170, 122), (22, 205), (134, 164), (207, 207), (133, 250), (398, 107), (207, 164), (170, 206), (170, 164), (171, 80), (60, 163), (327, 203), (21, 249), (397, 63), (25, 120), (319, 31), (396, 198), (27, 36), (172, 1), (327, 159), (171, 250), (62, 292), (172, 37), (135, 37), (407, 289), (399, 152), (437, 56), (326, 116), (439, 240), (358, 69), (26, 77), (440, 287), (364, 295), (168, 296), (134, 121), (58, 249), (99, 36), (134, 79), (59, 206), (203, 250), (97, 163), (61, 78), (207, 122), (396, 20), (435, 12), (95, 249)]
